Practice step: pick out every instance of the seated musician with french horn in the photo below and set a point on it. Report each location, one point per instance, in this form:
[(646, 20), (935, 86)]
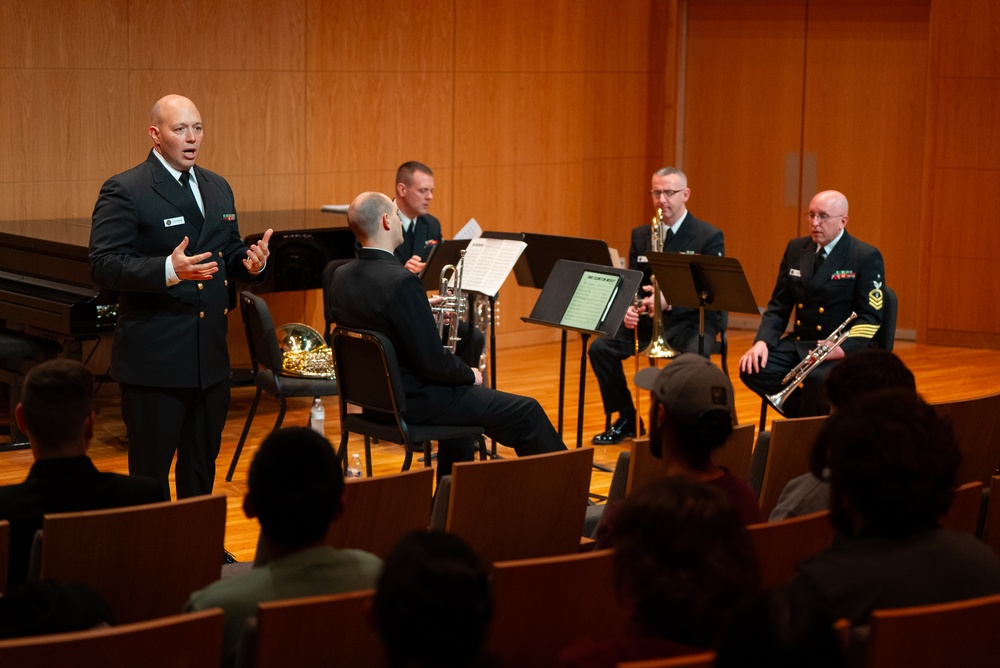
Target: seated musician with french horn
[(672, 330), (825, 277), (376, 292)]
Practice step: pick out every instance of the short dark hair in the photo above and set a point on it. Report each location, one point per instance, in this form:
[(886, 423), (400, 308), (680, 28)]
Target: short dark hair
[(57, 397), (433, 581), (866, 371), (404, 174), (894, 460), (684, 557), (296, 486)]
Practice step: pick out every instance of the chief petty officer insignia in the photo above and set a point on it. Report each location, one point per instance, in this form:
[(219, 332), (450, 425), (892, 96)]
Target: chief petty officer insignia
[(875, 296)]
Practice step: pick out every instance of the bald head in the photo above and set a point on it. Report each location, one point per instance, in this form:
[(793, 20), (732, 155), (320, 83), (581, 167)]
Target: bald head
[(176, 130), (827, 216), (374, 221)]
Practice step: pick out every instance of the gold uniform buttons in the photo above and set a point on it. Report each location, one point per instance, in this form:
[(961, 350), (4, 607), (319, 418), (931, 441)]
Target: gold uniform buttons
[(798, 323), (819, 328), (225, 311), (802, 305), (226, 282), (201, 286), (201, 314), (220, 253), (821, 309)]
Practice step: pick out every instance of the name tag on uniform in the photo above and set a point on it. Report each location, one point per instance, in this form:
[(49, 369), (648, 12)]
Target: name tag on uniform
[(170, 222), (641, 258), (229, 217), (794, 272)]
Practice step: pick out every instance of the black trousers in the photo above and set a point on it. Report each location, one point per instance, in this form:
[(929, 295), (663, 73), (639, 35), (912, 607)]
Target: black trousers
[(162, 421), (808, 400)]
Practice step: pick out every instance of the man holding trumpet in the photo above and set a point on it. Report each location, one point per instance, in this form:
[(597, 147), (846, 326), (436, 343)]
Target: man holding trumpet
[(681, 232), (825, 277)]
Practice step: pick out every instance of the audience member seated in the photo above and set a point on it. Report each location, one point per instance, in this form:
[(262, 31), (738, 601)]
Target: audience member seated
[(683, 560), (47, 606), (57, 414), (892, 465), (853, 377), (295, 492), (433, 603), (772, 630), (690, 415)]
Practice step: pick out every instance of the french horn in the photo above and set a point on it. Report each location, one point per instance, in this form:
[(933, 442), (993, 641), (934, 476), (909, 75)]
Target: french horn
[(304, 352)]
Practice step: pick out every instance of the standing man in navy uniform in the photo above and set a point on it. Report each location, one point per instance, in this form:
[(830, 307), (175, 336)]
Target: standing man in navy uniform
[(682, 233), (823, 277), (165, 235)]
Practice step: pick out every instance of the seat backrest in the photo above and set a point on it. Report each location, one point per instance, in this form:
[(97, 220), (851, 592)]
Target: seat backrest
[(193, 640), (963, 515), (331, 630), (379, 511), (700, 660), (327, 282), (543, 605), (885, 337), (368, 373), (734, 454), (787, 456), (521, 508), (145, 560), (4, 554), (976, 423), (780, 546), (963, 633), (259, 326), (991, 529)]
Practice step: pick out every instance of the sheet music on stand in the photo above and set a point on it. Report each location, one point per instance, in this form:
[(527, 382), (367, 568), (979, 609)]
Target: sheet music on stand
[(488, 262)]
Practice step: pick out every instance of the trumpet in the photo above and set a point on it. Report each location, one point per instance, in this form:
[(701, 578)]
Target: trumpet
[(452, 306), (658, 347), (809, 363)]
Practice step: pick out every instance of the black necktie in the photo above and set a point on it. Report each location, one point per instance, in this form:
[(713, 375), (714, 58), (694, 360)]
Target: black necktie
[(818, 262), (668, 238), (194, 211), (408, 239)]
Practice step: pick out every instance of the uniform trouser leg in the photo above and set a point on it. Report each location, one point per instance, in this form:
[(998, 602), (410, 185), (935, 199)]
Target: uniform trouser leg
[(606, 357), (806, 401), (186, 421)]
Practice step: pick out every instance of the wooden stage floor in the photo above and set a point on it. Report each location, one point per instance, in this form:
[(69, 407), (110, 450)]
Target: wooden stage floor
[(943, 374)]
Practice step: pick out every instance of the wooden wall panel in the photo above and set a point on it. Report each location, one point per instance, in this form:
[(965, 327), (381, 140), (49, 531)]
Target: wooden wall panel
[(624, 36), (504, 36), (50, 34), (866, 125), (381, 36), (968, 40), (217, 35), (968, 135), (615, 199), (742, 122)]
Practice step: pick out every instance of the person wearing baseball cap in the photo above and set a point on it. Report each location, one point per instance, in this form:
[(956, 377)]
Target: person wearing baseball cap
[(691, 414)]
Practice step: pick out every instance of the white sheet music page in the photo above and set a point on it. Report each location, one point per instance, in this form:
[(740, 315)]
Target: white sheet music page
[(488, 262), (471, 230)]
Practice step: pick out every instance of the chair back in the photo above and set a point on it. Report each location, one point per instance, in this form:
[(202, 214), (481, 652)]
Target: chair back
[(4, 554), (963, 515), (700, 660), (885, 337), (543, 605), (734, 454), (331, 630), (326, 279), (787, 456), (369, 377), (145, 560), (963, 633), (991, 529), (977, 429), (521, 508), (192, 640), (379, 511), (259, 327), (781, 546)]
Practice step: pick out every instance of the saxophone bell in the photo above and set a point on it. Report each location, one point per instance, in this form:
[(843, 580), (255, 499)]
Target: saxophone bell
[(658, 347)]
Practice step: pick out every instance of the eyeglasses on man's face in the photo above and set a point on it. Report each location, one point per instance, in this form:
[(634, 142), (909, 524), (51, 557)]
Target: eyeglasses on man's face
[(657, 194)]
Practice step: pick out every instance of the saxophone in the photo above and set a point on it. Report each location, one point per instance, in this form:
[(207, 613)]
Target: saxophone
[(658, 347)]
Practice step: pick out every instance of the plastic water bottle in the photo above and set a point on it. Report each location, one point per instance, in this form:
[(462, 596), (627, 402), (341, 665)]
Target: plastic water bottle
[(317, 417), (354, 468)]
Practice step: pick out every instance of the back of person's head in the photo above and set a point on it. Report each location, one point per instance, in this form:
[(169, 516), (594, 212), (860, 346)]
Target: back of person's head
[(698, 397), (893, 464), (47, 606), (56, 400), (683, 559), (296, 487), (365, 214), (864, 372), (774, 629), (404, 174), (433, 581)]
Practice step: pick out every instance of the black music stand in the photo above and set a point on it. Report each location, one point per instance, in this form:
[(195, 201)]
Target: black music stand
[(535, 264), (566, 284), (704, 282)]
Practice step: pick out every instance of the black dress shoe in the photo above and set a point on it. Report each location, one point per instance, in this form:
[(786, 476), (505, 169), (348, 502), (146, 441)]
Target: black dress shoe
[(623, 428)]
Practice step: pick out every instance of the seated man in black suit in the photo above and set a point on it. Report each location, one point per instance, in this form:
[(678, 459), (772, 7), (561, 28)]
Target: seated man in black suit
[(376, 292), (57, 414)]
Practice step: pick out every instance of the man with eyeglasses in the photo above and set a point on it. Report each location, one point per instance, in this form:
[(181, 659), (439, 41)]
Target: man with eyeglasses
[(681, 233), (824, 277)]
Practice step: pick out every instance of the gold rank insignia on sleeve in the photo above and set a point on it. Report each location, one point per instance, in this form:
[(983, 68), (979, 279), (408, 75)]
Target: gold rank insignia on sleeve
[(875, 297), (863, 331)]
